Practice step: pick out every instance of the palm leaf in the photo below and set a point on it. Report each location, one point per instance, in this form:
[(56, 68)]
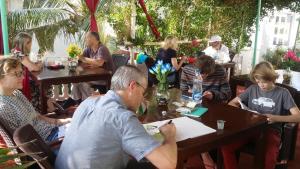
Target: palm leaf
[(37, 17)]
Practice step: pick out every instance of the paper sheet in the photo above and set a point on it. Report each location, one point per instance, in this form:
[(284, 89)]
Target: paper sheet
[(244, 107), (186, 128)]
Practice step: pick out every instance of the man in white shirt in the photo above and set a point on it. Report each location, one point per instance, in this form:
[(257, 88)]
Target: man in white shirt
[(217, 50)]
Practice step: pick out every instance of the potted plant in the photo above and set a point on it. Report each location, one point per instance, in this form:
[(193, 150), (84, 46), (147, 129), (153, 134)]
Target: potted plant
[(290, 62), (73, 51), (10, 159)]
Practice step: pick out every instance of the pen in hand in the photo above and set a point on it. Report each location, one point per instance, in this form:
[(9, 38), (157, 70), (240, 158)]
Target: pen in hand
[(170, 122)]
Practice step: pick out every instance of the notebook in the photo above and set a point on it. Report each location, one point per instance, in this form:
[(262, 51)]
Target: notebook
[(196, 112)]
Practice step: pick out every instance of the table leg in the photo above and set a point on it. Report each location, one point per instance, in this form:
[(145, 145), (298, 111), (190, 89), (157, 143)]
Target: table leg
[(43, 97), (260, 149), (219, 159), (180, 162)]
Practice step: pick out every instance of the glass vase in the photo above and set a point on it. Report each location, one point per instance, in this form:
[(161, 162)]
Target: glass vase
[(162, 94), (73, 63), (287, 76)]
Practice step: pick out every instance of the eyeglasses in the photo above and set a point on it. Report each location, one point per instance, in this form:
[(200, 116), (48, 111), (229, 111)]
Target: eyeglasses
[(142, 87), (17, 74)]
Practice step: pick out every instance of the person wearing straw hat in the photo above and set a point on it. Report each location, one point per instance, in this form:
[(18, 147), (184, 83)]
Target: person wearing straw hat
[(217, 50)]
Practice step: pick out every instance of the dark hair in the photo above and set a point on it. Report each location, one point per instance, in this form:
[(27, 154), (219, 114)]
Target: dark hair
[(96, 35), (206, 64)]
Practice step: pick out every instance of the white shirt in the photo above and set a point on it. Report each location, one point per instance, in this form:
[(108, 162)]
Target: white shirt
[(221, 55)]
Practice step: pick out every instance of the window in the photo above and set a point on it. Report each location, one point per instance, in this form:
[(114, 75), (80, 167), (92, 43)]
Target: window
[(281, 30), (280, 41), (286, 43), (276, 30), (274, 41), (289, 18), (277, 19), (282, 19)]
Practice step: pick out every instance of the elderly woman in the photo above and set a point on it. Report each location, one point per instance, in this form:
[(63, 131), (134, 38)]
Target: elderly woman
[(15, 109)]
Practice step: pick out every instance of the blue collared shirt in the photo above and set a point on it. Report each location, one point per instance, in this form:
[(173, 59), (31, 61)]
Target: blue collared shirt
[(102, 135)]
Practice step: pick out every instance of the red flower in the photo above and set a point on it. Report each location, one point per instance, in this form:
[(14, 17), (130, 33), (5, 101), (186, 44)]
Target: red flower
[(290, 55), (191, 60)]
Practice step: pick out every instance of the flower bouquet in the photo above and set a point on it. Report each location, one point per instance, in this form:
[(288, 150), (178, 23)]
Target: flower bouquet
[(161, 72), (73, 51)]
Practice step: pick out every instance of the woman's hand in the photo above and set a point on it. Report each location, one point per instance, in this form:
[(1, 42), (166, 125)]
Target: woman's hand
[(208, 94), (81, 58), (64, 121), (183, 58)]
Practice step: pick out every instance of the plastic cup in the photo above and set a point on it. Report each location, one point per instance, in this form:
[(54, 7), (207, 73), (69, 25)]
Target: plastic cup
[(220, 124)]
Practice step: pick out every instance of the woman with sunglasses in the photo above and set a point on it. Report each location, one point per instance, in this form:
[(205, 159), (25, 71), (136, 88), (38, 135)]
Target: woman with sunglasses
[(15, 109)]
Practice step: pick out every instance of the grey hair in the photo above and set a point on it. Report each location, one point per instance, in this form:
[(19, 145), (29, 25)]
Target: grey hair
[(124, 75)]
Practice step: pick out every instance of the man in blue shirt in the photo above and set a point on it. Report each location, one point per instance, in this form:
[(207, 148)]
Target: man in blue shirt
[(105, 131)]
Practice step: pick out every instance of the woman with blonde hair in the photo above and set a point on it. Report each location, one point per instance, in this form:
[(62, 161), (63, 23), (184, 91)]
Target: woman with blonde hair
[(168, 54)]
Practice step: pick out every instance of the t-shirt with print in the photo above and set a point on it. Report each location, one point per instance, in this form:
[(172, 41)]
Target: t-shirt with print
[(278, 101), (102, 53), (102, 135)]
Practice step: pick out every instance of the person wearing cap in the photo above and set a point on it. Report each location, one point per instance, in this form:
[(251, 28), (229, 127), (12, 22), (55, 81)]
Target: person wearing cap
[(217, 50)]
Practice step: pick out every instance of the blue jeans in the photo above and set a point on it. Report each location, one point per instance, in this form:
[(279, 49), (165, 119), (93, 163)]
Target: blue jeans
[(53, 136)]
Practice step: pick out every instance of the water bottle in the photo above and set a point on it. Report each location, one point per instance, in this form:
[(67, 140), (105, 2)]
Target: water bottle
[(197, 90)]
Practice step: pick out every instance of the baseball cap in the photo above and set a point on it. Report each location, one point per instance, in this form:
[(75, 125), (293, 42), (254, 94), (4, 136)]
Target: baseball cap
[(215, 38)]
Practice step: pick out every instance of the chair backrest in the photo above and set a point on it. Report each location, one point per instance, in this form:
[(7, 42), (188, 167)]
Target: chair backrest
[(119, 60), (30, 142)]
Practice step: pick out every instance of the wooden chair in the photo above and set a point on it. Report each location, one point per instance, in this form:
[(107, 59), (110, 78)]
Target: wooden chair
[(34, 144), (118, 60)]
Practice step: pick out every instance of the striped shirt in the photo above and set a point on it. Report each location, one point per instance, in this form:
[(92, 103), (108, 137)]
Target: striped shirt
[(217, 82)]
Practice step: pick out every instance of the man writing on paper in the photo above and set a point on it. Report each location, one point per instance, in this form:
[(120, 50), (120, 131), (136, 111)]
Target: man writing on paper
[(105, 130)]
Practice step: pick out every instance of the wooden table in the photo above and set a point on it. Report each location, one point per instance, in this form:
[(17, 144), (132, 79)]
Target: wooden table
[(239, 124), (47, 77)]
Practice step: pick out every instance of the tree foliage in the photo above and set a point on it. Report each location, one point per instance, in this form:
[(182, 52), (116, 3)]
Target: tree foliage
[(190, 19)]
